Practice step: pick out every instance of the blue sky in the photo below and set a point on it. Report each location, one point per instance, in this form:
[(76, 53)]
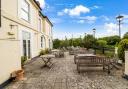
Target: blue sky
[(81, 16)]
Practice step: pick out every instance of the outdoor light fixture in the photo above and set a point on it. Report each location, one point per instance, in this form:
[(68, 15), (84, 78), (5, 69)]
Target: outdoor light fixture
[(12, 26), (94, 31), (119, 19)]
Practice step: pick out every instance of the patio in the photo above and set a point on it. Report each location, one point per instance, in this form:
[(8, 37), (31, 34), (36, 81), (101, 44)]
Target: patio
[(63, 75)]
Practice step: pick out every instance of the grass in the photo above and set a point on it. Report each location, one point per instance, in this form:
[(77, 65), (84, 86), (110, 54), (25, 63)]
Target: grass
[(108, 53)]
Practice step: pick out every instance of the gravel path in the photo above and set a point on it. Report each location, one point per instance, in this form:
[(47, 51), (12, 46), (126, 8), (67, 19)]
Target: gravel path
[(63, 75)]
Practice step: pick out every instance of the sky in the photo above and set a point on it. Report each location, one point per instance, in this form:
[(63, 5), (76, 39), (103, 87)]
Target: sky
[(77, 17)]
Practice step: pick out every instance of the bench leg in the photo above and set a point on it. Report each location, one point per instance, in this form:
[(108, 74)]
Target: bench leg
[(78, 69), (108, 69)]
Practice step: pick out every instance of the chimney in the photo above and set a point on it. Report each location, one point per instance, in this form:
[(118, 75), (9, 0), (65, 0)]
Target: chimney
[(38, 3)]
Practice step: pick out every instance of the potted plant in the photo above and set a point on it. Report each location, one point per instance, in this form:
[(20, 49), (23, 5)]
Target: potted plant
[(19, 75), (23, 60)]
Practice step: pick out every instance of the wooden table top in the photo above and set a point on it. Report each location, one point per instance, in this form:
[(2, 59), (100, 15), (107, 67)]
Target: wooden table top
[(48, 56)]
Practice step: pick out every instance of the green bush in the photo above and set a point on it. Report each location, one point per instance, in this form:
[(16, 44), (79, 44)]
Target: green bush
[(121, 48), (23, 59), (47, 50), (42, 52)]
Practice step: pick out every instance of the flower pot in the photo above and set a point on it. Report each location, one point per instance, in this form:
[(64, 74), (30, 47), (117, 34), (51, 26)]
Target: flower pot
[(19, 75)]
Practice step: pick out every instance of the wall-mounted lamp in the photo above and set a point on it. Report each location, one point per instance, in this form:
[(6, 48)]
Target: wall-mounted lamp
[(12, 26)]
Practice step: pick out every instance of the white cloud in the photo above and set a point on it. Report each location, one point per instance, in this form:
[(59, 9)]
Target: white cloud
[(87, 19), (105, 18), (125, 16), (56, 20), (42, 3), (75, 11), (81, 21), (96, 7), (111, 29), (62, 34)]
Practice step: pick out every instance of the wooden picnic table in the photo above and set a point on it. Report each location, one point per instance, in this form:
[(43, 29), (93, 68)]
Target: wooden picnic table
[(47, 60)]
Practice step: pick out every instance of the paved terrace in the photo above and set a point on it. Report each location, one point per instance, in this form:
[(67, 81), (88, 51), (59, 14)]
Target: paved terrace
[(63, 75)]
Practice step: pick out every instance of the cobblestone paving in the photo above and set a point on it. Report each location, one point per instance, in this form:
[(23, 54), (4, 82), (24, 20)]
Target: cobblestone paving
[(63, 75)]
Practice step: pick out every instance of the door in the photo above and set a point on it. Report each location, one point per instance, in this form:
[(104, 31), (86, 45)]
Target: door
[(26, 44)]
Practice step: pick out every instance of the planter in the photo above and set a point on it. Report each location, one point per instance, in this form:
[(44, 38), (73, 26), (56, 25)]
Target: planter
[(19, 75)]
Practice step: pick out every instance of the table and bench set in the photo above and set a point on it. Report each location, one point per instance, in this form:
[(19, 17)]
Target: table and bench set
[(83, 60)]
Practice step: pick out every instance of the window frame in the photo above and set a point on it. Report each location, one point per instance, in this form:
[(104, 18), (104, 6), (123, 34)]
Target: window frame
[(27, 12), (42, 41), (40, 24)]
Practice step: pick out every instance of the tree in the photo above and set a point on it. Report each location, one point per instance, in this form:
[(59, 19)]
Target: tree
[(121, 48), (56, 43), (89, 41), (102, 44), (111, 40), (125, 35)]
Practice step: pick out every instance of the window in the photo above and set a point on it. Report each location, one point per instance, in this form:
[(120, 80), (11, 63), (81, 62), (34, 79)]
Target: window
[(25, 9), (49, 43), (42, 42), (39, 24)]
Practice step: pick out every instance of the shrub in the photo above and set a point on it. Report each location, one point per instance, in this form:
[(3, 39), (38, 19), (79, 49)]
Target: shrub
[(121, 48), (42, 52), (47, 50), (23, 59)]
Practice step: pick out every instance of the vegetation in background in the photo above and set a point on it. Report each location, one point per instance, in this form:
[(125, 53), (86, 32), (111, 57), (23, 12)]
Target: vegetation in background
[(121, 48), (89, 41), (104, 45), (125, 35), (111, 40)]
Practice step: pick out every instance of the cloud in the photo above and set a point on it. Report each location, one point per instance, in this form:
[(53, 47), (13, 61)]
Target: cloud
[(125, 18), (62, 34), (42, 3), (81, 21), (74, 11), (95, 7), (111, 29), (87, 19), (105, 18), (56, 20)]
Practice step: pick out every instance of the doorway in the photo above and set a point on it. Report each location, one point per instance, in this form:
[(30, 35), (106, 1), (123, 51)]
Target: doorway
[(26, 44)]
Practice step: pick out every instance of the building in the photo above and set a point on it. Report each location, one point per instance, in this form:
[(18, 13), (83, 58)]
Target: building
[(24, 31)]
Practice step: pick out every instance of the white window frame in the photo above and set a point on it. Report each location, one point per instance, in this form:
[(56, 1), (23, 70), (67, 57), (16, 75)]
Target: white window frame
[(25, 11), (40, 25), (42, 42)]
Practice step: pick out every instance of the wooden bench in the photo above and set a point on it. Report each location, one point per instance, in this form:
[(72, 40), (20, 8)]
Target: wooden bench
[(93, 62)]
